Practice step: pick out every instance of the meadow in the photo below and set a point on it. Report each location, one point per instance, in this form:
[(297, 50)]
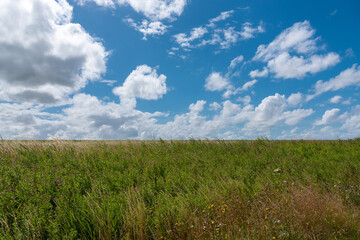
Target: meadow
[(195, 189)]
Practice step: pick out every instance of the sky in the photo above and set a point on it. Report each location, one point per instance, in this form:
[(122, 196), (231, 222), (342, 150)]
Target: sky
[(179, 69)]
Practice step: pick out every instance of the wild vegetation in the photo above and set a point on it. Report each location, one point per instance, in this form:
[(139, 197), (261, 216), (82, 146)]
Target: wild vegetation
[(192, 189)]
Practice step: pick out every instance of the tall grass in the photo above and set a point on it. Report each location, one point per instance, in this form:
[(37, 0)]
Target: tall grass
[(193, 189)]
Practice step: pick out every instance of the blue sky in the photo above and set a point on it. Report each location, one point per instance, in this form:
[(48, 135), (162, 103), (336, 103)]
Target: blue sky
[(176, 69)]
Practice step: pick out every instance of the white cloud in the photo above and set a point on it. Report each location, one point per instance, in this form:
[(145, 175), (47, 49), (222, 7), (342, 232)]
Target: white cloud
[(153, 9), (347, 102), (298, 39), (352, 123), (44, 57), (257, 73), (157, 9), (105, 3), (87, 117), (294, 99), (245, 100), (336, 99), (293, 117), (268, 111), (271, 112), (248, 85), (248, 31), (230, 37), (329, 116), (223, 16), (19, 120), (236, 61), (350, 127), (143, 82), (286, 66), (148, 28), (214, 106), (216, 82), (90, 118), (346, 78), (231, 90), (197, 107), (223, 37), (230, 109), (184, 41)]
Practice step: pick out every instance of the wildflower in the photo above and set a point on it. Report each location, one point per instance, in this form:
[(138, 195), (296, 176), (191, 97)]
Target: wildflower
[(267, 209)]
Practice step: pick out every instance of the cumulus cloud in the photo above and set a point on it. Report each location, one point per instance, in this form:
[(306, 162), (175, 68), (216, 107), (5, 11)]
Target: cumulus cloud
[(156, 11), (245, 100), (300, 41), (216, 82), (197, 107), (215, 106), (257, 73), (148, 28), (19, 120), (286, 66), (43, 56), (298, 38), (352, 122), (348, 77), (87, 117), (271, 111), (144, 82), (350, 126), (329, 116), (295, 99), (153, 9), (336, 99), (244, 121)]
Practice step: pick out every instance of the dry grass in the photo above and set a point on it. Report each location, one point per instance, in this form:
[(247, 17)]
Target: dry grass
[(300, 213)]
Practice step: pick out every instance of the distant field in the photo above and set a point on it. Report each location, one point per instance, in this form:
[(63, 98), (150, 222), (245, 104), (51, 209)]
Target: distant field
[(192, 189)]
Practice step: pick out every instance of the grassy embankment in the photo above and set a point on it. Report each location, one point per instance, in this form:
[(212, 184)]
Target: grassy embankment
[(180, 190)]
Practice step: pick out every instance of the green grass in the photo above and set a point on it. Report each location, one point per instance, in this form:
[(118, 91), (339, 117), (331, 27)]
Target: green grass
[(192, 189)]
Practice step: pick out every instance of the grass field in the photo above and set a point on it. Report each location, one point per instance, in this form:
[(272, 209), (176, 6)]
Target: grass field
[(192, 189)]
